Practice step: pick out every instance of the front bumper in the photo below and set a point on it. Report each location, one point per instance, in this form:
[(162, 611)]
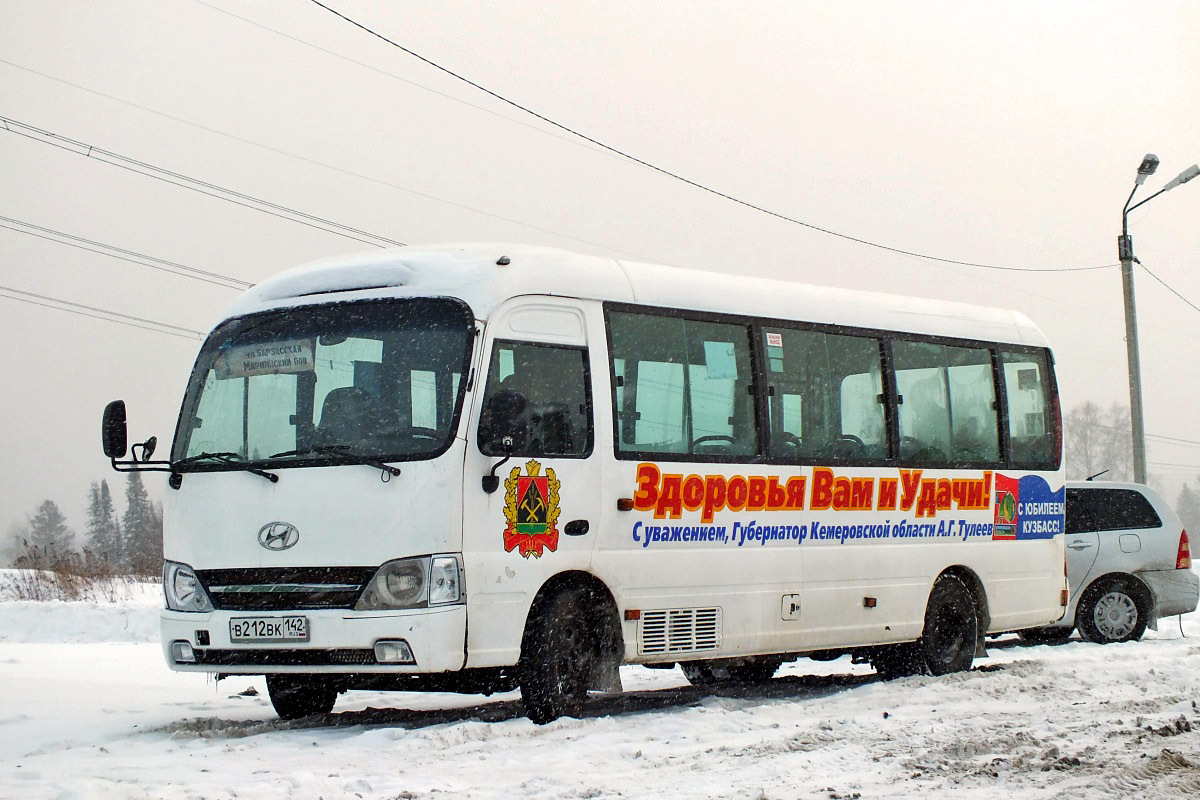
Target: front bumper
[(339, 642), (1176, 591)]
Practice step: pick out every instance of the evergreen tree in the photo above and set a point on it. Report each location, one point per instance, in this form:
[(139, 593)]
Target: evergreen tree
[(48, 531), (104, 532), (142, 536)]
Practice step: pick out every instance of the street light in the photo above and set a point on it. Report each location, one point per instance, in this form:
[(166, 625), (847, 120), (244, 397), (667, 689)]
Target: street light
[(1125, 253)]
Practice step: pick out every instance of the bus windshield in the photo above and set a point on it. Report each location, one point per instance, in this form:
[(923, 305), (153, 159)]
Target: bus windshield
[(320, 385)]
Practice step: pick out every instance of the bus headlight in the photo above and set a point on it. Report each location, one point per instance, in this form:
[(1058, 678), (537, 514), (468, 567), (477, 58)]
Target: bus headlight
[(183, 590), (413, 583)]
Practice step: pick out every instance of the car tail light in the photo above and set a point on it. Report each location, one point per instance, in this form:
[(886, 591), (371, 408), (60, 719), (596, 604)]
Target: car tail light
[(1183, 559)]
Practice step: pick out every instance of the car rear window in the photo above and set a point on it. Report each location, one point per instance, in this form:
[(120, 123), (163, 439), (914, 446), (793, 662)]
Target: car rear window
[(1091, 510)]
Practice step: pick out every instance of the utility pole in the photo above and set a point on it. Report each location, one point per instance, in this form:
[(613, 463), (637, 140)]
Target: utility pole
[(1125, 253), (1125, 249)]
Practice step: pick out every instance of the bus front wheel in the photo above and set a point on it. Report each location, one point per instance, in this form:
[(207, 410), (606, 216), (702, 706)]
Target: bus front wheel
[(297, 696), (559, 653)]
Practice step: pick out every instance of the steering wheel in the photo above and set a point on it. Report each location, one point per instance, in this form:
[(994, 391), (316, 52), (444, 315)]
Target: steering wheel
[(423, 433), (713, 437)]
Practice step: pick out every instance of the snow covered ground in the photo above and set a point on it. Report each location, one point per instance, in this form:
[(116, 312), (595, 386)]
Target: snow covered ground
[(89, 710)]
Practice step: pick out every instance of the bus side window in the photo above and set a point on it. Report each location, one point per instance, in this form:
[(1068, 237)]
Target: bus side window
[(537, 395), (824, 397), (683, 386), (947, 408), (1030, 427)]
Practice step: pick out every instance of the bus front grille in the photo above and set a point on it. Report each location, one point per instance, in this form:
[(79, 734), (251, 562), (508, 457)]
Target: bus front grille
[(680, 630), (283, 658), (284, 588)]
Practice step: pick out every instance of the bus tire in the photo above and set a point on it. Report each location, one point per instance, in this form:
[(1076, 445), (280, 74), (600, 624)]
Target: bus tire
[(951, 632), (1112, 611), (297, 696), (560, 650), (948, 641)]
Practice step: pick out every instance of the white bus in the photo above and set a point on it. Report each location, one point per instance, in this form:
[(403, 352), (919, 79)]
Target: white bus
[(487, 467)]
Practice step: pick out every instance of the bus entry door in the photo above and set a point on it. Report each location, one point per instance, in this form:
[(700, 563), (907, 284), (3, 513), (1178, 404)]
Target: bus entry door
[(531, 495)]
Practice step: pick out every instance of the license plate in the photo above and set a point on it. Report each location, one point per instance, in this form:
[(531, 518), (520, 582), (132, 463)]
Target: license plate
[(268, 629)]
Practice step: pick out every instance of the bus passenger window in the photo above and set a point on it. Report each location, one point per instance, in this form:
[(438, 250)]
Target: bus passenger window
[(1030, 421), (947, 408), (538, 396), (824, 395), (682, 386)]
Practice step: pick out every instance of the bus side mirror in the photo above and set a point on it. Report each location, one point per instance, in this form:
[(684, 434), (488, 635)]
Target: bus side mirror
[(491, 482), (113, 430)]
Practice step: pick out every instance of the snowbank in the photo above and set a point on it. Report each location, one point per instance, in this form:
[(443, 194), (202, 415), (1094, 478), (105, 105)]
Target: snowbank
[(130, 620)]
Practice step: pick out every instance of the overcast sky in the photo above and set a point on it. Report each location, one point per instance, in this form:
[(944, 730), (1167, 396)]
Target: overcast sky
[(1006, 134)]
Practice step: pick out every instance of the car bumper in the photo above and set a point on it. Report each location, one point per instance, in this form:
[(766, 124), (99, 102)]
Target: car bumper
[(339, 642), (1176, 591)]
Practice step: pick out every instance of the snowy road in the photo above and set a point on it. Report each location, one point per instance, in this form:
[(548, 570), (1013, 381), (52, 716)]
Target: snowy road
[(90, 711)]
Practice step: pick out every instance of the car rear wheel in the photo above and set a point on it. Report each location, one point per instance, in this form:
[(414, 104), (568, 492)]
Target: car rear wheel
[(1113, 612)]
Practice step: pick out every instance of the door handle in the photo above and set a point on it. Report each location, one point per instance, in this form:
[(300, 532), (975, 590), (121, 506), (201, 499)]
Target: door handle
[(576, 527), (1079, 545)]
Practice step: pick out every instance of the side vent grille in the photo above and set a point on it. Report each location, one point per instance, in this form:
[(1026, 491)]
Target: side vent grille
[(680, 630)]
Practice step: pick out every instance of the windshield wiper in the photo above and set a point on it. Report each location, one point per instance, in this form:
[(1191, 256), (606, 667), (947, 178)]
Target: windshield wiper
[(225, 458), (340, 451)]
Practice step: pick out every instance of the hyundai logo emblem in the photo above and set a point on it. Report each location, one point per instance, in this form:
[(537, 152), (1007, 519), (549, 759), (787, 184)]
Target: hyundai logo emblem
[(278, 535)]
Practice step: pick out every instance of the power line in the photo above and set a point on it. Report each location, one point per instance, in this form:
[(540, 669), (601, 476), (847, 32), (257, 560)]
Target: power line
[(98, 313), (689, 181), (193, 184), (1167, 439), (568, 139), (1172, 440), (170, 267), (398, 187), (1169, 288), (315, 162), (1181, 466)]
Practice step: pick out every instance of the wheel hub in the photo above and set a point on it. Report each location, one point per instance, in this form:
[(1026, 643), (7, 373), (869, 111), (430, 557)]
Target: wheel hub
[(1115, 615)]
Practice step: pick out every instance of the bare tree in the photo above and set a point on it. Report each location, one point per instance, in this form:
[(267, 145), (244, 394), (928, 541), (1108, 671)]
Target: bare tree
[(1098, 440)]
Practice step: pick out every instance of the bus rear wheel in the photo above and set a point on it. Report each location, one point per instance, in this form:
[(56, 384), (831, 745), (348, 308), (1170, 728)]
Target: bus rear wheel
[(951, 628), (948, 641), (297, 696), (558, 655)]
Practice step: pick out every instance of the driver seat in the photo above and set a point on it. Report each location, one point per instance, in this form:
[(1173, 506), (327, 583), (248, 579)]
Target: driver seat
[(349, 415)]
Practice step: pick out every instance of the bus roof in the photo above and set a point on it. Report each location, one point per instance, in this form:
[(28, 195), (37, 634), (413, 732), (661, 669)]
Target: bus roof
[(474, 273)]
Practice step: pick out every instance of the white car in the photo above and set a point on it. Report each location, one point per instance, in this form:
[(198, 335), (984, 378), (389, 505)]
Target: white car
[(1128, 564)]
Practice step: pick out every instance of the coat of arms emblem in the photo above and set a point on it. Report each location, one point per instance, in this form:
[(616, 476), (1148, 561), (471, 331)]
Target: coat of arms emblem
[(531, 509)]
